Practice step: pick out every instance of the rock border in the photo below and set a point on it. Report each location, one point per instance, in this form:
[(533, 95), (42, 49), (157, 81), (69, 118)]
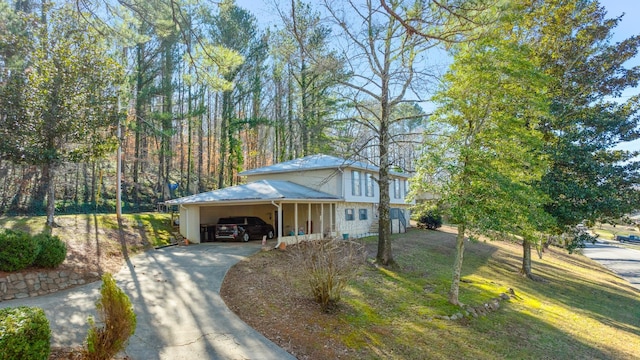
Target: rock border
[(484, 309), (19, 285)]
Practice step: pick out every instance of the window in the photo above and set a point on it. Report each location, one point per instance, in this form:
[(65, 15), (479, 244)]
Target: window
[(368, 185), (396, 188), (348, 215), (363, 214), (406, 187), (356, 183), (394, 213)]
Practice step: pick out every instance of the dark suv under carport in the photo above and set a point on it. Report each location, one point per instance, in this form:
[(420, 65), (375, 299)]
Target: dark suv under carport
[(243, 228)]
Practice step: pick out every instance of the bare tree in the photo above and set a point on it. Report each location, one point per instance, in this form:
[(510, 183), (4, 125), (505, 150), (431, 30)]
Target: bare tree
[(381, 58)]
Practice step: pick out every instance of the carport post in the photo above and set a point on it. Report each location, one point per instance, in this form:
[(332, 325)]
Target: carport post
[(309, 221), (295, 230), (322, 220), (279, 221)]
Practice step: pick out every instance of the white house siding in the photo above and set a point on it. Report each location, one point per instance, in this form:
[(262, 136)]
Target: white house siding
[(355, 227), (352, 196), (325, 180), (190, 222)]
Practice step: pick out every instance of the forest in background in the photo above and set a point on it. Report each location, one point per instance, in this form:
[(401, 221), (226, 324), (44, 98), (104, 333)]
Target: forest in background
[(204, 93)]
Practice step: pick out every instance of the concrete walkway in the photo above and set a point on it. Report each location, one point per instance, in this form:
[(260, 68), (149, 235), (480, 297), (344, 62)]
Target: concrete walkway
[(176, 296), (621, 260)]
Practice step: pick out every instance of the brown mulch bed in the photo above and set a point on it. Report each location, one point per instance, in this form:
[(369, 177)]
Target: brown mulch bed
[(259, 290)]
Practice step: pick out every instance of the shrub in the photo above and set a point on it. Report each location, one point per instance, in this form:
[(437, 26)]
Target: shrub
[(52, 253), (18, 250), (327, 265), (24, 334), (431, 219), (116, 313)]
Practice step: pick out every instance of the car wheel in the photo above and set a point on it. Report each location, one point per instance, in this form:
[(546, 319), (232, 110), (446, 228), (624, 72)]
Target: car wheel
[(245, 237), (270, 234)]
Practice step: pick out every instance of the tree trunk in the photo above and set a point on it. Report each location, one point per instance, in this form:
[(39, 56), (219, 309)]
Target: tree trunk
[(48, 176), (457, 267), (200, 124), (138, 131), (526, 259), (290, 148), (384, 255), (189, 140), (227, 112)]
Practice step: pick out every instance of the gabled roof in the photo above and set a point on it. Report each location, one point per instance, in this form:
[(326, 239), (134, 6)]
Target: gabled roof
[(263, 190), (315, 162)]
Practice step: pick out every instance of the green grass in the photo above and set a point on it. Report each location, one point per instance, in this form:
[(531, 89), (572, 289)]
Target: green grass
[(579, 311), (152, 228), (609, 232)]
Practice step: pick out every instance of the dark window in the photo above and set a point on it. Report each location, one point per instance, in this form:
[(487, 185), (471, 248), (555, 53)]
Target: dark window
[(394, 213), (348, 214), (363, 214)]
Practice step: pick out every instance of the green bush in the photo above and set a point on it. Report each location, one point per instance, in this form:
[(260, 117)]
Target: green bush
[(24, 334), (116, 313), (431, 219), (18, 250), (52, 253)]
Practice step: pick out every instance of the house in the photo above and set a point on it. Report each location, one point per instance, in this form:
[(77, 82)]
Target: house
[(307, 198)]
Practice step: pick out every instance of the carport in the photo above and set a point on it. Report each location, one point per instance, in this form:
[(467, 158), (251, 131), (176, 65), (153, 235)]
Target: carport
[(295, 211)]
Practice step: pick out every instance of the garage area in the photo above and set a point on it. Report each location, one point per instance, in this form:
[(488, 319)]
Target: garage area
[(296, 212)]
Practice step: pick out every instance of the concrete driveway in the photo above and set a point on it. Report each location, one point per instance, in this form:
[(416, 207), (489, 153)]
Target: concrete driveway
[(176, 296), (621, 260)]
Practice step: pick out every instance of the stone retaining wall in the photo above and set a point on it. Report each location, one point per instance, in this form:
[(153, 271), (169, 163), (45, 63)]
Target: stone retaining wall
[(22, 285)]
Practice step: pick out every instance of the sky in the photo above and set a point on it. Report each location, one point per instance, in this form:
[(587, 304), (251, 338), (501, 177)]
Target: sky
[(629, 26)]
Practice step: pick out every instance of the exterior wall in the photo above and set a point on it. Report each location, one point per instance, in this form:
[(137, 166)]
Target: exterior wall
[(396, 196), (325, 180), (358, 228), (190, 222), (355, 227), (334, 182), (290, 240)]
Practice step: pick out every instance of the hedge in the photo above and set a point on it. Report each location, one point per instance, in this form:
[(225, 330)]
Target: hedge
[(52, 251), (18, 250), (24, 334)]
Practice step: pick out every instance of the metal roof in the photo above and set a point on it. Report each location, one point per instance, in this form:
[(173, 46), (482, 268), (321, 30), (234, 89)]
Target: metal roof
[(263, 190), (315, 162)]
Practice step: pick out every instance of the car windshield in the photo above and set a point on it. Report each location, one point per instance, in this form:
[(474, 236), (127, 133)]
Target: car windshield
[(231, 221)]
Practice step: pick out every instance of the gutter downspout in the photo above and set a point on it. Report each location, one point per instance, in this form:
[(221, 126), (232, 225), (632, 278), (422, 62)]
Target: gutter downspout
[(279, 207)]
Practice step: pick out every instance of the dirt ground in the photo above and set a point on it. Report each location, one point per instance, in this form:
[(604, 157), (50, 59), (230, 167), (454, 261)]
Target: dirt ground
[(260, 291)]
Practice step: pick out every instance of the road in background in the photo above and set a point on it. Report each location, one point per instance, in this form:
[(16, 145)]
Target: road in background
[(620, 259)]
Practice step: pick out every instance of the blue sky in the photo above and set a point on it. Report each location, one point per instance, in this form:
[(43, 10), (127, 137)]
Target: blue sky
[(629, 26)]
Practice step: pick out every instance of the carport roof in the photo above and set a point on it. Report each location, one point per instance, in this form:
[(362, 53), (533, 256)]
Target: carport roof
[(263, 190)]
